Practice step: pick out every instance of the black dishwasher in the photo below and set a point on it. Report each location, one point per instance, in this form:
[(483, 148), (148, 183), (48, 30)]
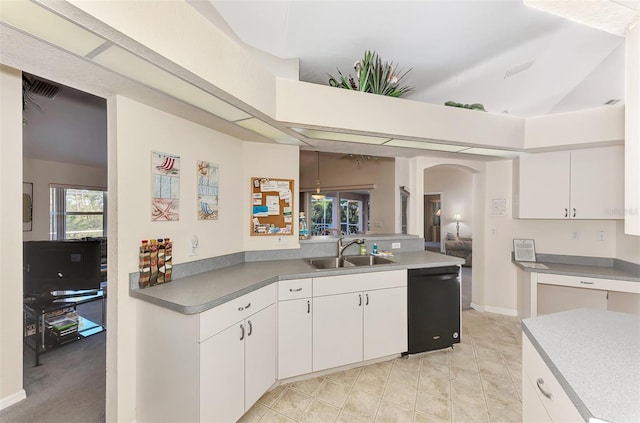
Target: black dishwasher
[(433, 297)]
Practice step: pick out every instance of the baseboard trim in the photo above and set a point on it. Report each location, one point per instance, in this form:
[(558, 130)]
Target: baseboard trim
[(12, 399), (496, 310), (477, 307)]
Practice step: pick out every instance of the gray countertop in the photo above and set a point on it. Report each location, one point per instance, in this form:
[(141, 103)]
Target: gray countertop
[(198, 293), (595, 355), (585, 270)]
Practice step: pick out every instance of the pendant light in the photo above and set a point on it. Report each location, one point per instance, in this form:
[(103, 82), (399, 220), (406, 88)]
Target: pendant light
[(317, 195)]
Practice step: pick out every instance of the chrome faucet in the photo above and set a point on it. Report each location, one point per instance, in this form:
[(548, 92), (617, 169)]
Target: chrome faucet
[(342, 247)]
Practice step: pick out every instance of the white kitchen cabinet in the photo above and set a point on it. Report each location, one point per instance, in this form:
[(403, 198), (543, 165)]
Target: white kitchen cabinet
[(259, 355), (385, 322), (294, 337), (295, 327), (532, 408), (543, 183), (207, 367), (222, 359), (544, 293), (578, 184), (238, 365), (544, 390), (358, 317), (337, 330)]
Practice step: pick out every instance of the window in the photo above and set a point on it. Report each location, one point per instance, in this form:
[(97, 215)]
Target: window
[(339, 213), (77, 212)]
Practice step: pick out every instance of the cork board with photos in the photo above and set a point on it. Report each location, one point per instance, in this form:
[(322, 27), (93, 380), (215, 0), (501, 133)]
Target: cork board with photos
[(271, 206)]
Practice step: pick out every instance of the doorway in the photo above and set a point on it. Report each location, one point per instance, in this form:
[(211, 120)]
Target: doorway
[(65, 152), (432, 213)]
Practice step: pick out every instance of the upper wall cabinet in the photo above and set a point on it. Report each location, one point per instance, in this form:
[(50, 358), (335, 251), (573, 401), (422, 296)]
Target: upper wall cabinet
[(577, 184)]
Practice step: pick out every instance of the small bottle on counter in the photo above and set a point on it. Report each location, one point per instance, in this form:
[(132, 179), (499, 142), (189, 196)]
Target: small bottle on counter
[(375, 249), (363, 249), (303, 230)]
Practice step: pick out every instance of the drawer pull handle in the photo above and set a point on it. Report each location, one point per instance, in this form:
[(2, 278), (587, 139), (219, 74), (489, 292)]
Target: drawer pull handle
[(250, 328), (540, 383), (295, 290), (566, 212), (367, 297), (242, 329), (245, 307), (574, 212), (587, 282), (360, 303), (308, 306)]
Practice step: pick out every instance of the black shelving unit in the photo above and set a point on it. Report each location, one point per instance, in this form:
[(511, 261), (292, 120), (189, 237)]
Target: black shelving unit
[(40, 337)]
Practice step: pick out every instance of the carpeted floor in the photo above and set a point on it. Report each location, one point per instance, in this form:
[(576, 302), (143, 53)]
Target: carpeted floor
[(69, 387)]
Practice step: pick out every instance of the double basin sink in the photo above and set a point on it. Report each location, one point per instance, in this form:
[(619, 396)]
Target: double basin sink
[(347, 261)]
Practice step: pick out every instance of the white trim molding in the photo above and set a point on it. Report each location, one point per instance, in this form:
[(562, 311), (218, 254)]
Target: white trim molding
[(492, 309), (12, 399)]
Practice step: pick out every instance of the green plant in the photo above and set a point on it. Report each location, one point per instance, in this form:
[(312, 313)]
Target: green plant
[(373, 76), (474, 106)]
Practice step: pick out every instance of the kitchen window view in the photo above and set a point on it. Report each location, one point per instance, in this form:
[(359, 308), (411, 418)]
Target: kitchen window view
[(339, 213)]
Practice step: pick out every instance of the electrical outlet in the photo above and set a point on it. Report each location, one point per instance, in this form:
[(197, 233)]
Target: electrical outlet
[(601, 235), (395, 245), (575, 236), (282, 240)]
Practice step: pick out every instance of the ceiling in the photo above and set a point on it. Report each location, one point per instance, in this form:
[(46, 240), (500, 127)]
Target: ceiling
[(510, 57)]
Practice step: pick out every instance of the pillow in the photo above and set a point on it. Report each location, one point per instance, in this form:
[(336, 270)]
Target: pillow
[(451, 237)]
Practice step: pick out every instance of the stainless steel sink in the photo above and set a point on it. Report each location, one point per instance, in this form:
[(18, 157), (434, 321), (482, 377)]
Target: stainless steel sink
[(348, 261), (329, 262), (368, 260)]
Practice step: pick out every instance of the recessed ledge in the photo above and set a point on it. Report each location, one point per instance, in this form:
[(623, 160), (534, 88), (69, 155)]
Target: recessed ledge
[(303, 104)]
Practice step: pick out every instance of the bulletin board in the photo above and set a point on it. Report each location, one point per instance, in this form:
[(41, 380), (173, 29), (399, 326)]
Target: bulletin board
[(272, 206)]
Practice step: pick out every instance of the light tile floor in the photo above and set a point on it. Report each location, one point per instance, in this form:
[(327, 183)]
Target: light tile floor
[(478, 381)]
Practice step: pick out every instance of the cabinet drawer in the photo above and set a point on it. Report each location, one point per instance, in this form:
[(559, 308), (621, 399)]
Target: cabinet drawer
[(590, 283), (293, 289), (221, 317), (554, 398), (358, 282)]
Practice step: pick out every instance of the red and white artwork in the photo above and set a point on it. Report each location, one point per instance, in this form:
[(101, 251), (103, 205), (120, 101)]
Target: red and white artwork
[(165, 186)]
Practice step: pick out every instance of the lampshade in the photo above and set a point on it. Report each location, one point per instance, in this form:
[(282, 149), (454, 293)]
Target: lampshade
[(439, 212), (457, 217)]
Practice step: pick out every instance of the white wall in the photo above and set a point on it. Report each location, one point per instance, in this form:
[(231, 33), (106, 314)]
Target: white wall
[(10, 237), (456, 186), (42, 173), (627, 246), (551, 237), (138, 130)]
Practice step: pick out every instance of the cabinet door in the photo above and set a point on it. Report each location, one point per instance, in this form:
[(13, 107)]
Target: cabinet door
[(385, 322), (222, 376), (544, 185), (533, 410), (597, 183), (294, 338), (260, 354), (337, 330)]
